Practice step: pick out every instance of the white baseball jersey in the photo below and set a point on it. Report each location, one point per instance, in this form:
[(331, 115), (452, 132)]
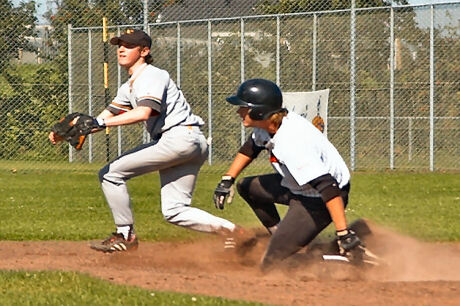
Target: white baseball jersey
[(301, 153), (153, 87)]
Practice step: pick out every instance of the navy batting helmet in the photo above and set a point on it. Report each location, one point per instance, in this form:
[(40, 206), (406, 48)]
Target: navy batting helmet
[(262, 96)]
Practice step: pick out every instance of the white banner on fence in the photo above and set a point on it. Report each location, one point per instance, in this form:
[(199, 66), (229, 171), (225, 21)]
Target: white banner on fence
[(311, 105)]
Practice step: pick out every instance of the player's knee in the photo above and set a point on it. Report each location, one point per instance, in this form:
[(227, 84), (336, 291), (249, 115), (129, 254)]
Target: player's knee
[(271, 259), (103, 172), (282, 245), (243, 186), (173, 218), (105, 175), (170, 214), (168, 218), (176, 214), (167, 215)]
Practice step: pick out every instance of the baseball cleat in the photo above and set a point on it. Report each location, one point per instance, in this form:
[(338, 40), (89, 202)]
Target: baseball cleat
[(116, 243)]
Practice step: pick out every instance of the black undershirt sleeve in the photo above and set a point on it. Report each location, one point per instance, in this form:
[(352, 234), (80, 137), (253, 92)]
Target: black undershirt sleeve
[(250, 149), (327, 187)]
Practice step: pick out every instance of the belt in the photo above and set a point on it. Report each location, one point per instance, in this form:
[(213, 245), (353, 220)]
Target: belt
[(190, 127)]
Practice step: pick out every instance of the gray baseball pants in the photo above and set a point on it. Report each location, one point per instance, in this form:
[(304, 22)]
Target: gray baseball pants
[(178, 156)]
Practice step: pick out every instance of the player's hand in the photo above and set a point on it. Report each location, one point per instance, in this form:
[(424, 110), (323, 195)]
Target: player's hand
[(224, 192), (54, 138), (349, 243), (86, 124)]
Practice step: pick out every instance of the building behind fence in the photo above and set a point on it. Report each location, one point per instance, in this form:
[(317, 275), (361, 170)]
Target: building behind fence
[(393, 74)]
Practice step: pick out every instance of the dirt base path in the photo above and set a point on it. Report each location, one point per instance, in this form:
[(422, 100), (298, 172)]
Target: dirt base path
[(416, 274)]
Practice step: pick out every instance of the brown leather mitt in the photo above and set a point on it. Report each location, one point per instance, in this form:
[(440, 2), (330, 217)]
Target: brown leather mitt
[(66, 130)]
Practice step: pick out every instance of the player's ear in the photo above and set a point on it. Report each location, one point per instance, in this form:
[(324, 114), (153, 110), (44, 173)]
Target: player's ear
[(145, 51)]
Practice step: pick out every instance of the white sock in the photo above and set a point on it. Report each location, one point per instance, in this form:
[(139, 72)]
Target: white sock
[(125, 230)]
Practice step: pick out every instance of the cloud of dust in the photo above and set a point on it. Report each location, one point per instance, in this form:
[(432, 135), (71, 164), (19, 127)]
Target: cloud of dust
[(408, 259)]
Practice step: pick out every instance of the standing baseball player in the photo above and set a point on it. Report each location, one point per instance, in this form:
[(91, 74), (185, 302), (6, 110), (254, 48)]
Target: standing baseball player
[(312, 178), (177, 150)]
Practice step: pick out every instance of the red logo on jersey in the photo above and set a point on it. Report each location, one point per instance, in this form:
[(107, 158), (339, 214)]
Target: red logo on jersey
[(273, 159)]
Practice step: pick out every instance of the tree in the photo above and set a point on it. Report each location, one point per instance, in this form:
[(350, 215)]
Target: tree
[(89, 14), (16, 24)]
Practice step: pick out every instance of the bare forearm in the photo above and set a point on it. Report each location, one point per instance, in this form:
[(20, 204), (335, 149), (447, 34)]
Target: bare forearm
[(239, 163), (337, 211), (105, 114), (135, 115)]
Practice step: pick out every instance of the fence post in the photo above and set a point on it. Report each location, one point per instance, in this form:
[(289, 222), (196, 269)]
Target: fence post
[(313, 64), (119, 128), (392, 79), (105, 43), (90, 93), (431, 88), (278, 37), (69, 69), (409, 135), (146, 30), (242, 72), (145, 4), (210, 91), (178, 68), (352, 85)]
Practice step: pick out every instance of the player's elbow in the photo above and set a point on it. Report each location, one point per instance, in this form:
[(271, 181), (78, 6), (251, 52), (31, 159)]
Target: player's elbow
[(144, 113)]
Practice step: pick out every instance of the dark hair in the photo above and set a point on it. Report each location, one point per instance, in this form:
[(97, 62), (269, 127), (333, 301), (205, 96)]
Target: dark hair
[(148, 59)]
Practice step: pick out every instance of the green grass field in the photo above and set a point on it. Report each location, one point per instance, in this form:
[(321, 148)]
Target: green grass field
[(67, 288), (66, 205)]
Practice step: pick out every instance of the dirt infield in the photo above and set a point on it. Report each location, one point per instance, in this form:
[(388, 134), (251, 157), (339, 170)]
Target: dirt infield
[(416, 273)]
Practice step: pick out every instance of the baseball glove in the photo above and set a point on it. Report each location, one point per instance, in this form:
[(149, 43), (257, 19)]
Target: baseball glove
[(66, 130), (87, 124)]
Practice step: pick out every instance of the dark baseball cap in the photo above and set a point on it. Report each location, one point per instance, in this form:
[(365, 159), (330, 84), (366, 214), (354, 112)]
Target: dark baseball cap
[(134, 37)]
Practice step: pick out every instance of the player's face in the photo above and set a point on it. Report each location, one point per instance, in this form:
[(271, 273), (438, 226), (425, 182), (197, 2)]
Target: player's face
[(129, 55), (244, 114)]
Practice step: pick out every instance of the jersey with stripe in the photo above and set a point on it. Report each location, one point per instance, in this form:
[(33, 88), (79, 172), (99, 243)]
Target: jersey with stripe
[(301, 153), (151, 86)]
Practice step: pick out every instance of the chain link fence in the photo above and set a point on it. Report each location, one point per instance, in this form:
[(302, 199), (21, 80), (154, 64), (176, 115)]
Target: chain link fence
[(392, 70)]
